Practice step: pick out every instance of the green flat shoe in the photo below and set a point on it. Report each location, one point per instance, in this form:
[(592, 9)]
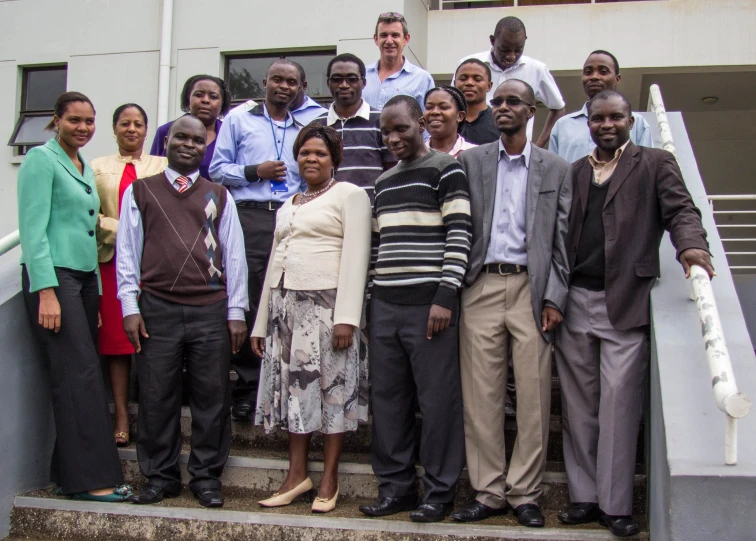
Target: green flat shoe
[(119, 494)]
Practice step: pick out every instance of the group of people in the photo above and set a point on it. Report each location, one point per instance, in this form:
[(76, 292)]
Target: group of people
[(410, 226)]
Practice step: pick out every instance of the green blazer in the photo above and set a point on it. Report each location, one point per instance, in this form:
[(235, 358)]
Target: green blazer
[(57, 215)]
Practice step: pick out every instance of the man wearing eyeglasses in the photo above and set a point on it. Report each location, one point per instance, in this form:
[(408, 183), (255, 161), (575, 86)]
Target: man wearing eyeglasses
[(507, 61), (516, 287), (365, 155), (394, 74)]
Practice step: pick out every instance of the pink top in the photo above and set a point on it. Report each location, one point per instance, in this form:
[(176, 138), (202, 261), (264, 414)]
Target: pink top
[(460, 145)]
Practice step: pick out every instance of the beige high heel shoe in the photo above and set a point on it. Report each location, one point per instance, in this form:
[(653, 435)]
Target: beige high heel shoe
[(322, 505), (279, 500)]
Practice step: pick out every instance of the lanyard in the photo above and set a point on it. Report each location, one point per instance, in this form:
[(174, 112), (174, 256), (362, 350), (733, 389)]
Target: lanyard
[(279, 151)]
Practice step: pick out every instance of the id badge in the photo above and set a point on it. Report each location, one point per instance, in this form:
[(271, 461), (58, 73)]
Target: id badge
[(278, 186)]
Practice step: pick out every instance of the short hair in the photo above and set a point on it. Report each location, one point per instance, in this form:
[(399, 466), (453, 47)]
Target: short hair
[(62, 103), (186, 92), (122, 108), (287, 62), (510, 24), (607, 94), (183, 119), (302, 74), (477, 63), (529, 94), (347, 57), (392, 17), (412, 106), (328, 135), (610, 55), (457, 96)]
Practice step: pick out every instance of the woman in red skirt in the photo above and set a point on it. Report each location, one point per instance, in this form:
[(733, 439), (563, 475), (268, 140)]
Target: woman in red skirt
[(113, 175)]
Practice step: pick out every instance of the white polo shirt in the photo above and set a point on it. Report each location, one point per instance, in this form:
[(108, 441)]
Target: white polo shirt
[(530, 70)]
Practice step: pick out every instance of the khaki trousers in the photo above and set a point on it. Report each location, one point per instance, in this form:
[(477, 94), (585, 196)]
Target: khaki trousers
[(496, 312)]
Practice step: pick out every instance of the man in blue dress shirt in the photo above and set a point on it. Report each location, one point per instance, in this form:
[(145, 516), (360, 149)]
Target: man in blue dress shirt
[(254, 159), (571, 139), (304, 108)]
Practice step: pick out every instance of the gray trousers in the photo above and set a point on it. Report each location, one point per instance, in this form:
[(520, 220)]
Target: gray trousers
[(602, 372)]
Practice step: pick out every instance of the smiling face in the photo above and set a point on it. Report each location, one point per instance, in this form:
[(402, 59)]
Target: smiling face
[(130, 130), (346, 83), (510, 118), (474, 82), (77, 125), (401, 133), (282, 84), (442, 116), (391, 40), (185, 144), (314, 160), (508, 47), (610, 122), (599, 74), (206, 101)]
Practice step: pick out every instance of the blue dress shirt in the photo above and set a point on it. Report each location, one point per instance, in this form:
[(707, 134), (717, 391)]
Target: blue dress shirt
[(410, 80), (308, 111), (248, 139)]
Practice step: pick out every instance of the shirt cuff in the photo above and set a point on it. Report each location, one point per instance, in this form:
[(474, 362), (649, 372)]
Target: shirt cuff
[(129, 306), (236, 314), (550, 304), (250, 173), (445, 296)]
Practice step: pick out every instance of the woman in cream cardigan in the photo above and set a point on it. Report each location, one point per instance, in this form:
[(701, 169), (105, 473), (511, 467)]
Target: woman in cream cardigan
[(113, 174), (308, 328)]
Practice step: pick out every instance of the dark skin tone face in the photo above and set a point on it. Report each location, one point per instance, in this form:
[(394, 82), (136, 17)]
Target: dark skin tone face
[(507, 47), (281, 84), (130, 131), (206, 101), (599, 74), (474, 83), (346, 84), (403, 134), (75, 127), (610, 123), (512, 119), (442, 116)]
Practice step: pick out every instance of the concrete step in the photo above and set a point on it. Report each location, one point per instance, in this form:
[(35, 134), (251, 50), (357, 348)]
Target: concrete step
[(43, 516), (264, 470)]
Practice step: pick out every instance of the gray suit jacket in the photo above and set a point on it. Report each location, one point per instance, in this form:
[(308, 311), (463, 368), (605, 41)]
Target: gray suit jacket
[(549, 196)]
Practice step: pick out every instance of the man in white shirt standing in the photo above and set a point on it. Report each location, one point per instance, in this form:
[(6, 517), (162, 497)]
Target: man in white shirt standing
[(506, 61)]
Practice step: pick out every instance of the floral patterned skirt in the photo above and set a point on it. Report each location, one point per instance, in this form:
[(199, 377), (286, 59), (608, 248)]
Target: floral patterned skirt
[(306, 386)]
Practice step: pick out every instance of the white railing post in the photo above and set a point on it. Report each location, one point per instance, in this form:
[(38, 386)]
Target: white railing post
[(8, 242)]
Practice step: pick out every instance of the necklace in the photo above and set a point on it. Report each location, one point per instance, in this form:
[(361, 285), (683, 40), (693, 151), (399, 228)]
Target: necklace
[(309, 196)]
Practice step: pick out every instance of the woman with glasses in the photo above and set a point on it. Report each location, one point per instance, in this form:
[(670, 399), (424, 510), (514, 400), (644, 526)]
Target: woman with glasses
[(445, 109)]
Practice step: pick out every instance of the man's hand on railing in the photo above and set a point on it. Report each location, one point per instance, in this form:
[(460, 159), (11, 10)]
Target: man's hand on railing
[(696, 256)]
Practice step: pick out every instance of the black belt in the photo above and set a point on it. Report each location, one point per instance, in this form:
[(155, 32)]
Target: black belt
[(505, 268), (262, 205)]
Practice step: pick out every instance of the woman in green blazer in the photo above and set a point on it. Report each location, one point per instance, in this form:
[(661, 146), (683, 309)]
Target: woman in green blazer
[(57, 215)]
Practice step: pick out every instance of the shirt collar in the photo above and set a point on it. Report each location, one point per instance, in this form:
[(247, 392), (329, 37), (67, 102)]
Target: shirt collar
[(491, 64), (308, 102), (596, 163), (172, 175), (408, 66), (362, 112), (581, 112), (261, 110), (525, 153)]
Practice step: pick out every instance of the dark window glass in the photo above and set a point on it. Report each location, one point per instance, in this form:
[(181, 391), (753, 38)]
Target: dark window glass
[(40, 88)]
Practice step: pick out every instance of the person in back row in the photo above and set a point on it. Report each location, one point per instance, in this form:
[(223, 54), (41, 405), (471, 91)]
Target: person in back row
[(571, 137), (304, 108), (507, 61), (473, 78), (445, 109)]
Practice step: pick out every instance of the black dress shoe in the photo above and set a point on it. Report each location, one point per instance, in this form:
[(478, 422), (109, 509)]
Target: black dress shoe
[(476, 511), (431, 512), (209, 497), (529, 514), (621, 526), (580, 513), (152, 494), (390, 506), (242, 409)]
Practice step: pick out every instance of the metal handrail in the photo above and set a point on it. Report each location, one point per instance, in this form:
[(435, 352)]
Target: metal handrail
[(515, 3), (8, 242), (735, 405)]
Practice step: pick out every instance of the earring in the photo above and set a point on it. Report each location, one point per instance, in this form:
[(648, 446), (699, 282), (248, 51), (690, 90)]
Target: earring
[(333, 172)]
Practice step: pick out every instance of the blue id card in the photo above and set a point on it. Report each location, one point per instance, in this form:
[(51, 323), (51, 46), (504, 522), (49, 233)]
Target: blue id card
[(277, 186)]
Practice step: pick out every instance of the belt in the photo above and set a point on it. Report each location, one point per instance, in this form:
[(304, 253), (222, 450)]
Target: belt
[(505, 268), (261, 205)]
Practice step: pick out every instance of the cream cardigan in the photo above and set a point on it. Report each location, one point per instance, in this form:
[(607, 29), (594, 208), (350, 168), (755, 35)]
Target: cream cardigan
[(323, 244)]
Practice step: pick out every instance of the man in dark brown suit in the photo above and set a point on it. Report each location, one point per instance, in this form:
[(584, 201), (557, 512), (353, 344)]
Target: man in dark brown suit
[(625, 197)]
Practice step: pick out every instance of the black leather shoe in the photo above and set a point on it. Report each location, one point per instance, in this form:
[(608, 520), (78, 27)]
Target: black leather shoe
[(476, 511), (209, 497), (431, 512), (152, 494), (580, 513), (621, 526), (529, 514), (242, 409), (390, 506)]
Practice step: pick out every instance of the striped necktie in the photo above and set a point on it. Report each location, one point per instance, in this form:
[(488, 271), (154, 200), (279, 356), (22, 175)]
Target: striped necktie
[(183, 183)]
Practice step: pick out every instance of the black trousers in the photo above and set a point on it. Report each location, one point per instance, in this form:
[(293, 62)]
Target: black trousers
[(199, 335), (258, 226), (405, 364), (85, 455)]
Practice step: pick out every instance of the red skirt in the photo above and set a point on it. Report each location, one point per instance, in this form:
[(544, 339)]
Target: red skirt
[(112, 338)]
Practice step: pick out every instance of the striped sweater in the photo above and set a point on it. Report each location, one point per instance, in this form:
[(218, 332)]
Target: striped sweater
[(422, 211)]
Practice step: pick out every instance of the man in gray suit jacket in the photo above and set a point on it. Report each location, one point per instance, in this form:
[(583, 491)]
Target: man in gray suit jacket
[(517, 282)]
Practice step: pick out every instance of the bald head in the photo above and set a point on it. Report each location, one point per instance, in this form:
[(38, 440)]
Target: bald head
[(185, 144)]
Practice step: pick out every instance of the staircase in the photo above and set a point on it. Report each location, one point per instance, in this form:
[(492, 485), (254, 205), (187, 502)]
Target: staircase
[(256, 468)]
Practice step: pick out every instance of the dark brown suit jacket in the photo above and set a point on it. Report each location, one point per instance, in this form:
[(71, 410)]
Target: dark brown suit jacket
[(646, 196)]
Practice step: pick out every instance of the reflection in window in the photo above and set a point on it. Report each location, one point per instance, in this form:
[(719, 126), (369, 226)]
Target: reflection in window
[(39, 90)]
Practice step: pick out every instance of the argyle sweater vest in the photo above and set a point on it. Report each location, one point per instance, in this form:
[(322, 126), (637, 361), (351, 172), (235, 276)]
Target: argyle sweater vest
[(182, 259)]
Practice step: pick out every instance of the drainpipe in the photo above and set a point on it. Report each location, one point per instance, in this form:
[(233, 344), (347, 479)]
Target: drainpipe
[(164, 78)]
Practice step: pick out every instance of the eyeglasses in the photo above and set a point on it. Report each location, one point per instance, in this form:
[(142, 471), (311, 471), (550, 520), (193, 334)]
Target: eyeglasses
[(350, 79), (391, 15), (511, 101)]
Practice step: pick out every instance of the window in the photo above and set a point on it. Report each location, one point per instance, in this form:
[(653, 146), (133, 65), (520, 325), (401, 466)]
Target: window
[(245, 74), (40, 88)]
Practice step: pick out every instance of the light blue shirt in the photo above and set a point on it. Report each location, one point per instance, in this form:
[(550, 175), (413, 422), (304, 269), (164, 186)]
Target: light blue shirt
[(247, 138), (308, 111), (507, 243), (410, 80), (571, 139)]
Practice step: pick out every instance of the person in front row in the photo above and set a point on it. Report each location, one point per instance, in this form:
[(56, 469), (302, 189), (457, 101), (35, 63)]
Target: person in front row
[(423, 220), (571, 138), (517, 286), (308, 329), (625, 197), (445, 109), (182, 283)]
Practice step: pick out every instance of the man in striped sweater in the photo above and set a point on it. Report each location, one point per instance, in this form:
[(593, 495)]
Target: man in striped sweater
[(424, 226)]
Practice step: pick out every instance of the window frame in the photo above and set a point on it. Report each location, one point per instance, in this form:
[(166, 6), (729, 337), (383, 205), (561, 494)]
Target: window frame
[(25, 113)]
